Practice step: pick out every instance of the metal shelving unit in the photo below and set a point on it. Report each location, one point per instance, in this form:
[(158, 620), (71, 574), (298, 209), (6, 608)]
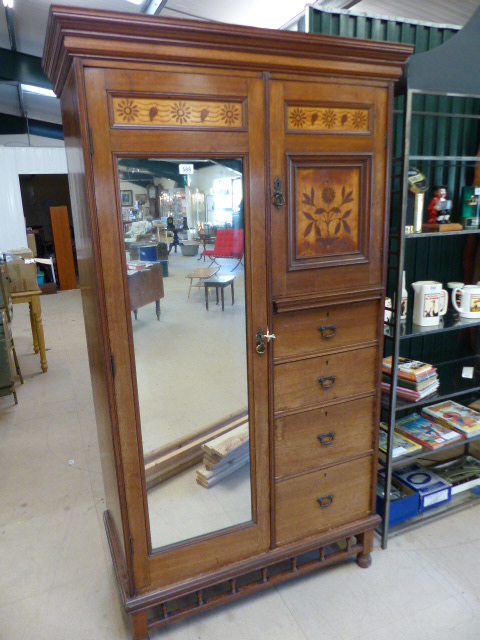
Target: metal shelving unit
[(441, 126)]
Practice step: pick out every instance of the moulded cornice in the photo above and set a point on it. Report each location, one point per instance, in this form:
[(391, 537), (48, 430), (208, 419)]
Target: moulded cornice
[(122, 36)]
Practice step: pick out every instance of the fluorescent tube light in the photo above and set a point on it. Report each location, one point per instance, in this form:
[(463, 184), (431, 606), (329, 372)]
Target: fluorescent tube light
[(40, 91), (8, 4), (132, 1)]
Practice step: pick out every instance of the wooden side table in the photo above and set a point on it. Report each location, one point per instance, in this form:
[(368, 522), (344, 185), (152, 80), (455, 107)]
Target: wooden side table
[(219, 282), (33, 299)]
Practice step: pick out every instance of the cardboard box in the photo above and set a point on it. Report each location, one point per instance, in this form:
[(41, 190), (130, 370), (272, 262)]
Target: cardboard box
[(432, 489), (23, 252), (401, 509), (23, 275), (32, 244)]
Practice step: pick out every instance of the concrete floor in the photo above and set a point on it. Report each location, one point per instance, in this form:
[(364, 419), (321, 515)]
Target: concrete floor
[(57, 580)]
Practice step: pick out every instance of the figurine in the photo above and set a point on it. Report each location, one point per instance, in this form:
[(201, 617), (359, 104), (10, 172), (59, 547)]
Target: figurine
[(439, 209)]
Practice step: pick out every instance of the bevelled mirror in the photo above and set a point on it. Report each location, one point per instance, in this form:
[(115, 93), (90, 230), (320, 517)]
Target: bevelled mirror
[(188, 321)]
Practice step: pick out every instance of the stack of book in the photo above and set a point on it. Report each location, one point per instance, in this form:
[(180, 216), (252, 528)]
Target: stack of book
[(224, 455), (401, 446), (429, 434), (455, 416), (415, 380)]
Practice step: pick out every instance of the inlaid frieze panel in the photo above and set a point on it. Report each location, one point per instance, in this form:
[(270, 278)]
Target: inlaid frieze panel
[(181, 112), (328, 118), (328, 213)]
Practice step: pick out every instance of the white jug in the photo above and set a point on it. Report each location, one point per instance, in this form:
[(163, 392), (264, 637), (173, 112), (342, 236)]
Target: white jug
[(469, 301), (431, 302)]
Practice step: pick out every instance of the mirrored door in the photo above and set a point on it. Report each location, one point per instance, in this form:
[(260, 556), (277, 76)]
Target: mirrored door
[(188, 314)]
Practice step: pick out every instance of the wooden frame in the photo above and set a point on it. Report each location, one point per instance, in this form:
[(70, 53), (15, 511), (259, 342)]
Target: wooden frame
[(126, 196)]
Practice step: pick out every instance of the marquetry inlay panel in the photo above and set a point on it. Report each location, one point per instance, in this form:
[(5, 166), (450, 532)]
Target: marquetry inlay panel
[(327, 119), (329, 215), (177, 112)]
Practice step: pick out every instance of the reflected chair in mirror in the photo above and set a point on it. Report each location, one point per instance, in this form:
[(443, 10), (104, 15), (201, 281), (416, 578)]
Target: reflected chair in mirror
[(228, 244)]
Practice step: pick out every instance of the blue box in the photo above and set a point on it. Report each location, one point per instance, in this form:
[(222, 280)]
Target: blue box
[(149, 254), (401, 509), (432, 489)]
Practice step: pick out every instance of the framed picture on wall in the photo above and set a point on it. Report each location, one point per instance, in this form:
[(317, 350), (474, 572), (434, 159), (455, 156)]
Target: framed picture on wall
[(127, 198), (141, 198)]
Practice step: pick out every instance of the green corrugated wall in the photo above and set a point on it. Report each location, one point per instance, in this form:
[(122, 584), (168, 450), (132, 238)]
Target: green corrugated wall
[(439, 259)]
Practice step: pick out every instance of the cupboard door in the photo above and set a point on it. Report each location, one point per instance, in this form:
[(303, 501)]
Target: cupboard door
[(328, 164), (207, 121)]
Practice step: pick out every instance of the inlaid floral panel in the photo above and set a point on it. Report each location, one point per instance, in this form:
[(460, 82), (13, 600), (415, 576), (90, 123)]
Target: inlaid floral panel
[(327, 205), (177, 112), (328, 119)]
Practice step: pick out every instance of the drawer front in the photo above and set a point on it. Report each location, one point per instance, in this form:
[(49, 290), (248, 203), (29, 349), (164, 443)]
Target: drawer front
[(316, 438), (321, 500), (333, 327), (325, 378)]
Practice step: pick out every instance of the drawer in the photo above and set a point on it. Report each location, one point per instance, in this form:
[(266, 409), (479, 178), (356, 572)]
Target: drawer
[(332, 327), (321, 500), (325, 378), (312, 439)]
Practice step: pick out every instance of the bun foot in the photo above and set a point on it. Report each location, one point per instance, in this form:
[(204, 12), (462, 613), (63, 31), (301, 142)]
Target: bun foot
[(364, 560)]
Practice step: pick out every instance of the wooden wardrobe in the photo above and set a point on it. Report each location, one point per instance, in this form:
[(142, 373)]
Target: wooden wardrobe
[(308, 120)]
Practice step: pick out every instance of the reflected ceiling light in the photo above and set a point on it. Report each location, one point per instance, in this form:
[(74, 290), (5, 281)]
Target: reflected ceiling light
[(8, 4), (39, 91), (132, 1)]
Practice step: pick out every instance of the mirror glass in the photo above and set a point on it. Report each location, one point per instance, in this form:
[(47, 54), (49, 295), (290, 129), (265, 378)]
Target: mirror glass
[(189, 334)]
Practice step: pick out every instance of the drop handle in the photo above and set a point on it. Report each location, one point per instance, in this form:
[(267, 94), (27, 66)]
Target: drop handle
[(326, 439), (328, 331), (278, 197), (260, 337), (327, 382), (325, 501)]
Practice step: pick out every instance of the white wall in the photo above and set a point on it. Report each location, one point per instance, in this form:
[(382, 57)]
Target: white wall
[(13, 162)]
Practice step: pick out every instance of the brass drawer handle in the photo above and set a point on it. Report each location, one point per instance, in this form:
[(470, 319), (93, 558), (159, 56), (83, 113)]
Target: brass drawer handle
[(327, 382), (326, 439), (325, 501), (328, 331)]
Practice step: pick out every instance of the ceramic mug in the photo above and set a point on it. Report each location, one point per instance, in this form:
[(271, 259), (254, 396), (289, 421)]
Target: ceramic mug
[(430, 302), (388, 310), (451, 286), (469, 306)]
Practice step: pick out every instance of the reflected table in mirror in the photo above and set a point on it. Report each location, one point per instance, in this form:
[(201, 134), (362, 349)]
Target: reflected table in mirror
[(219, 283), (200, 274), (146, 286), (33, 299)]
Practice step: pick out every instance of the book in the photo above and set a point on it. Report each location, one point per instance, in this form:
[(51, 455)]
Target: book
[(410, 384), (454, 416), (428, 434), (409, 369), (401, 446), (410, 394)]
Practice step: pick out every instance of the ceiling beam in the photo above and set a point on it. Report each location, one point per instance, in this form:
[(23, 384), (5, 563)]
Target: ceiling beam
[(22, 68), (11, 28)]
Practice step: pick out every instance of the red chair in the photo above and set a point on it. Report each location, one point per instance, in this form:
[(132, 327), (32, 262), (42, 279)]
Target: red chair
[(228, 244)]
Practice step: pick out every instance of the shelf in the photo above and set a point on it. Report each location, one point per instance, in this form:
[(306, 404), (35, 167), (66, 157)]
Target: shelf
[(451, 385), (440, 234), (403, 461), (459, 501), (449, 322), (395, 235)]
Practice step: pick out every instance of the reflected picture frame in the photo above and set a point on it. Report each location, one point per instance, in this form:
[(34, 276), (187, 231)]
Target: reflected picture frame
[(126, 198)]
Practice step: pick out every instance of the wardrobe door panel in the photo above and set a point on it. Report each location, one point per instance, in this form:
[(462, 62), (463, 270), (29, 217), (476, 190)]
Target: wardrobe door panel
[(328, 163), (155, 123)]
